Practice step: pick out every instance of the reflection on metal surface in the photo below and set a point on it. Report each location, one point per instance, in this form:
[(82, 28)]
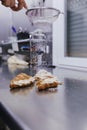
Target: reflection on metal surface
[(76, 103), (25, 91), (21, 91), (48, 91)]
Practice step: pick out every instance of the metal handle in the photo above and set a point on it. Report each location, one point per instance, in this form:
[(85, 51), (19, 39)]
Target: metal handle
[(25, 40)]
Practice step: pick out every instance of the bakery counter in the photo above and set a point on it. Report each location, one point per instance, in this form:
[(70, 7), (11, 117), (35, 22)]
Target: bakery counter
[(64, 108)]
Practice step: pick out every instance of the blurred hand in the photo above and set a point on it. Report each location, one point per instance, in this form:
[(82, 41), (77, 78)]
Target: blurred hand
[(15, 5)]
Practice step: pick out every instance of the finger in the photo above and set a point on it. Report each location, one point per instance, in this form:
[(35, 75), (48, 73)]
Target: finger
[(12, 3), (6, 3), (23, 3), (18, 7)]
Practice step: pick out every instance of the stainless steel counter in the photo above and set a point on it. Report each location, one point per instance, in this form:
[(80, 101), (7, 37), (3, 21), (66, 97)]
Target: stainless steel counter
[(62, 109)]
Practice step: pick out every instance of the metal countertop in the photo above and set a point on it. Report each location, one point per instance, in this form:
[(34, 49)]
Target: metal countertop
[(63, 109)]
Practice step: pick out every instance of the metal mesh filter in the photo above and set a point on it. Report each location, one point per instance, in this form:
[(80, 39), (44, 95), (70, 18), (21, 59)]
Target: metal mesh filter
[(42, 15)]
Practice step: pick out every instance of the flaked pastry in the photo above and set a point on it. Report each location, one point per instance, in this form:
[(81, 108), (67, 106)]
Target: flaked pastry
[(45, 80), (21, 80)]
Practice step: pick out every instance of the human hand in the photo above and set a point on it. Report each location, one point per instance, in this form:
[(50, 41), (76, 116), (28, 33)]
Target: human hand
[(15, 5)]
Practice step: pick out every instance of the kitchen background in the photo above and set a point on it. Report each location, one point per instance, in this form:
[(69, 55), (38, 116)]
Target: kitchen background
[(67, 35), (19, 19), (9, 18), (15, 22)]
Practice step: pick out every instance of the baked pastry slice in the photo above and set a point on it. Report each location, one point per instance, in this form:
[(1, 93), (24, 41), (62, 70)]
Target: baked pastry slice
[(47, 83), (46, 80), (42, 74), (21, 80)]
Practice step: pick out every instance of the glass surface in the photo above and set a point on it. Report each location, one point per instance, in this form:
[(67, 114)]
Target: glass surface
[(42, 19), (77, 28)]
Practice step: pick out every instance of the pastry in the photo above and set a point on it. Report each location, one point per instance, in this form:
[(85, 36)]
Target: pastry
[(46, 80), (21, 80), (47, 83), (15, 60), (42, 74)]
